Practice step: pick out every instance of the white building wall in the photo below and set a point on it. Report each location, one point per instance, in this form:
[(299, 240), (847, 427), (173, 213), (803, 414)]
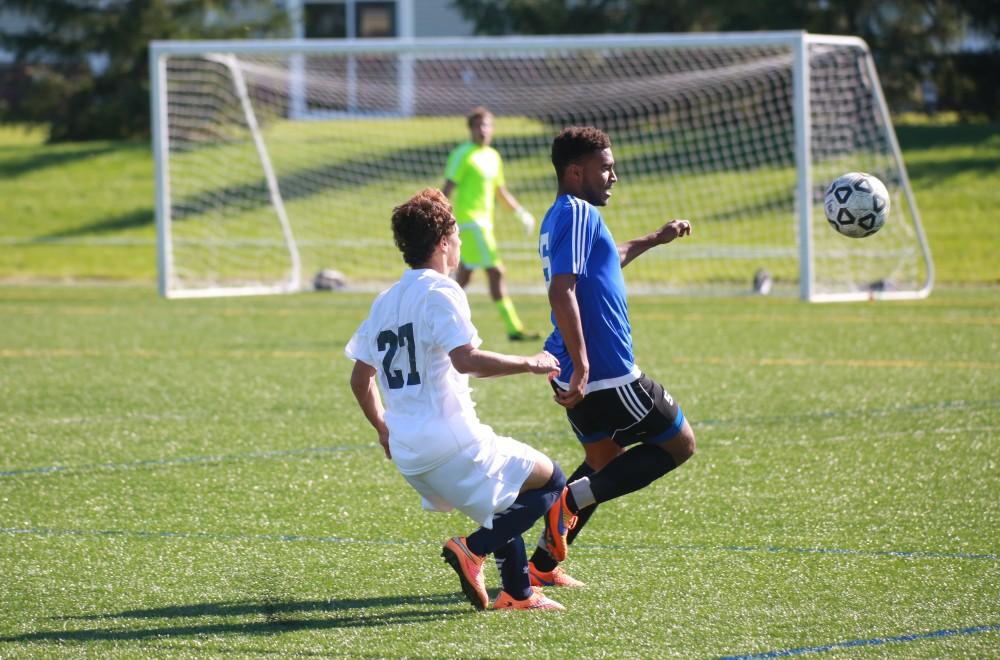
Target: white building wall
[(436, 18), (425, 18)]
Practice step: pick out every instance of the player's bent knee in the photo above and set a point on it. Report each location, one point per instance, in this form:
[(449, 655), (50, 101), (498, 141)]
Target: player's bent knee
[(541, 473), (688, 445), (682, 446), (557, 480)]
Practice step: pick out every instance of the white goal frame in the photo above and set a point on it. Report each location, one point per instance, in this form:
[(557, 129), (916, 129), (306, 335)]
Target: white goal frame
[(406, 49)]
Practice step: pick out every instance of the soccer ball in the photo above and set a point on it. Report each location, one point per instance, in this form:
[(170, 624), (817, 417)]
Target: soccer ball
[(329, 280), (857, 204)]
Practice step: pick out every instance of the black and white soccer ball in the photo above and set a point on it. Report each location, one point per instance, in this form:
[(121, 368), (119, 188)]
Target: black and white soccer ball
[(329, 280), (857, 204)]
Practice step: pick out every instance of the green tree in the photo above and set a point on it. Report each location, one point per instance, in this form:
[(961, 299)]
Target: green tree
[(86, 61), (905, 35), (985, 16)]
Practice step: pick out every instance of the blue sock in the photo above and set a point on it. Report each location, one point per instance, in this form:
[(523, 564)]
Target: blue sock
[(519, 517), (512, 562)]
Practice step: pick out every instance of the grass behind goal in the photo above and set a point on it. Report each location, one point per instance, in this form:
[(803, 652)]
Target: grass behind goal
[(81, 211), (193, 477)]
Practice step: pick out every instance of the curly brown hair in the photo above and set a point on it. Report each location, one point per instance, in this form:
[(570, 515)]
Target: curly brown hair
[(420, 224), (575, 142)]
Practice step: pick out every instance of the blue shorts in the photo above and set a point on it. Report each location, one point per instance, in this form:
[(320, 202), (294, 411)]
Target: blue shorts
[(640, 411)]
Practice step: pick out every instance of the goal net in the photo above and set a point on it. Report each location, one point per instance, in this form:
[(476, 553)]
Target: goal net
[(277, 159)]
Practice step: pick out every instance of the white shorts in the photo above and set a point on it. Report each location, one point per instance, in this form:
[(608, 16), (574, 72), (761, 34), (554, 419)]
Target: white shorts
[(480, 480)]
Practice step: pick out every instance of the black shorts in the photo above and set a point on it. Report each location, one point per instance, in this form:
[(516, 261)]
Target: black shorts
[(641, 411)]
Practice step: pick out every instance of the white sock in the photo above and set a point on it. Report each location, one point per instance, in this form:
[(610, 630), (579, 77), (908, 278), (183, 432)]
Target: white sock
[(582, 493)]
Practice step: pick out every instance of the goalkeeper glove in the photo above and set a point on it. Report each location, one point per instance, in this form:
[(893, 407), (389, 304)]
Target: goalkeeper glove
[(526, 219)]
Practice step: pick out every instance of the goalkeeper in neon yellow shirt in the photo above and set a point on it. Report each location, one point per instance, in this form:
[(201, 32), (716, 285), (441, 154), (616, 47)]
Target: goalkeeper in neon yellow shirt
[(473, 180)]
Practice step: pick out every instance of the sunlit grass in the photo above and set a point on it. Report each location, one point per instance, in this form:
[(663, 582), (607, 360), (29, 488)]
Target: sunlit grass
[(184, 478)]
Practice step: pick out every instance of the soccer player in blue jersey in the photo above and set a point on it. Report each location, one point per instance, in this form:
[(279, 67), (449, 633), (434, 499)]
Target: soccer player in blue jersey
[(632, 431)]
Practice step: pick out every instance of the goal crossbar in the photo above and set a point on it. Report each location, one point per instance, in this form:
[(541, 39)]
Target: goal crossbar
[(486, 44)]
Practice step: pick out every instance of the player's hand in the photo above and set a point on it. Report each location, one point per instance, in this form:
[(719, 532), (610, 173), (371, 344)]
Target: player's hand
[(543, 363), (673, 229), (575, 393), (383, 439), (526, 219)]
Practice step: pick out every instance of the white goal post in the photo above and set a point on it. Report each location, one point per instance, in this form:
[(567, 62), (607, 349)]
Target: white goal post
[(277, 159)]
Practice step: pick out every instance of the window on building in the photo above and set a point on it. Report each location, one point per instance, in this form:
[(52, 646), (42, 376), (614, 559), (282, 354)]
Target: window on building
[(325, 20), (376, 19)]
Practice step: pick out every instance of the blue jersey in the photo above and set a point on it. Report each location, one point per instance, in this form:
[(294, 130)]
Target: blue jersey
[(574, 240)]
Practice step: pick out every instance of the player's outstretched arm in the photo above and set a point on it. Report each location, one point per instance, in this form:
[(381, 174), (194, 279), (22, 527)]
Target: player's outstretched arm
[(366, 392), (487, 364), (629, 250), (523, 215)]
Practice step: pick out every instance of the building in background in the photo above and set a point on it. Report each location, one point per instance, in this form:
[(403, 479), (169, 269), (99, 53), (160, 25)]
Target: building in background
[(363, 19)]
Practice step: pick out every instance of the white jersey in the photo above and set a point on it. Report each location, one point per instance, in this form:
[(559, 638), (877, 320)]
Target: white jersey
[(411, 328)]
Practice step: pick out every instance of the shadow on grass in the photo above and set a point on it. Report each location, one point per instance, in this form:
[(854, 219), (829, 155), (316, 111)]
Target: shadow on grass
[(422, 163), (266, 618), (934, 136), (941, 170), (53, 157), (425, 162), (131, 220)]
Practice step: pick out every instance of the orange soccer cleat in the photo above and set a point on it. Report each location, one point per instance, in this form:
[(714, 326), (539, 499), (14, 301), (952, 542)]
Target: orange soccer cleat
[(469, 567), (557, 577), (558, 521), (536, 601)]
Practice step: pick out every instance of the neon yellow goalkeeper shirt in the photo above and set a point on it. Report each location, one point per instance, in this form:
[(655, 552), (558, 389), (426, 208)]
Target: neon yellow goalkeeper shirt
[(476, 172)]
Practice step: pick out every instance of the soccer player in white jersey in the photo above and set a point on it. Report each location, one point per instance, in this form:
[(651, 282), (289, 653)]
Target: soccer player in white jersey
[(611, 404), (419, 345)]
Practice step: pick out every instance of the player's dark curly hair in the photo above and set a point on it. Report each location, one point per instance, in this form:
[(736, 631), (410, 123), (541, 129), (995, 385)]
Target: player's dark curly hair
[(575, 142), (420, 224)]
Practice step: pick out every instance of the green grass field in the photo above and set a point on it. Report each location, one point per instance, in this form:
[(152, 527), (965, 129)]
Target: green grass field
[(192, 477)]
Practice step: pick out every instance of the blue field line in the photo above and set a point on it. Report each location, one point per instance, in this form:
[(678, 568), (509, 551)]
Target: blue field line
[(791, 550), (915, 554), (89, 467), (146, 534), (875, 641), (182, 460)]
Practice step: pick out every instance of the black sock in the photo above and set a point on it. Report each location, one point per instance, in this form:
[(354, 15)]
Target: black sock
[(636, 468), (581, 519), (542, 560), (513, 566)]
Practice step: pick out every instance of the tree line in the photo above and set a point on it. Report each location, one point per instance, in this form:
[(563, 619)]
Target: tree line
[(914, 42), (81, 66)]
